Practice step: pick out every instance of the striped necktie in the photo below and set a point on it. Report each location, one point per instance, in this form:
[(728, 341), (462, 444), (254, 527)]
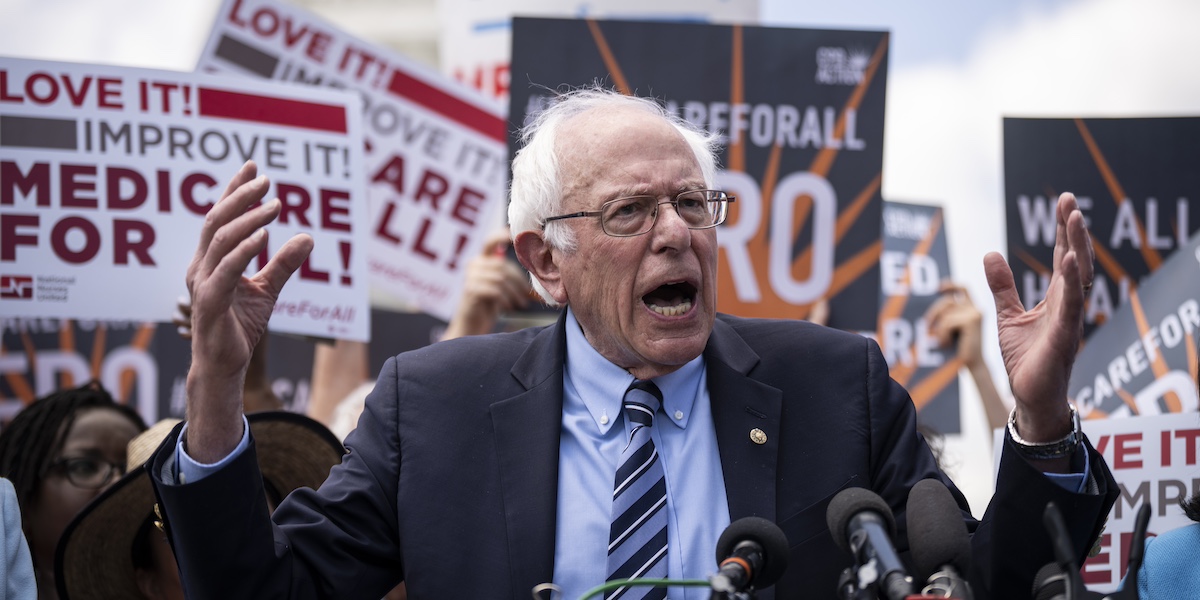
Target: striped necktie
[(637, 541)]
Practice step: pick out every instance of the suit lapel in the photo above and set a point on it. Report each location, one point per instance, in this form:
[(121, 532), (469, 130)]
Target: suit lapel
[(746, 414), (527, 429), (742, 409)]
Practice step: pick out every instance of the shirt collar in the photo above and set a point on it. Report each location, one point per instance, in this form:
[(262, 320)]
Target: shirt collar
[(601, 385)]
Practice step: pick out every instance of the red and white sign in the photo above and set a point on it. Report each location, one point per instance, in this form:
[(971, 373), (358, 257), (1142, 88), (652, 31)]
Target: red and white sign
[(106, 174), (1156, 461), (436, 156)]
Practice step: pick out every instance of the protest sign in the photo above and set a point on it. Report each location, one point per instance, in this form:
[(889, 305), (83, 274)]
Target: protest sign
[(40, 356), (802, 116), (1154, 461), (106, 174), (436, 163), (1134, 179), (1143, 361), (913, 266), (144, 365), (475, 36)]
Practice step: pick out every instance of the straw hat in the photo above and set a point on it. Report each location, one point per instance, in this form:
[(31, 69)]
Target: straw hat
[(94, 558)]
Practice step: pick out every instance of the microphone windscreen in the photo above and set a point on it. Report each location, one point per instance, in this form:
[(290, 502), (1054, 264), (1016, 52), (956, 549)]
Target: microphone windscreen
[(850, 502), (1049, 583), (937, 535), (768, 535)]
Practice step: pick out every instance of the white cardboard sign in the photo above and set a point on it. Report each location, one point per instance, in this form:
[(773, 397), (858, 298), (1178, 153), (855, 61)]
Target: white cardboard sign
[(106, 174), (436, 153)]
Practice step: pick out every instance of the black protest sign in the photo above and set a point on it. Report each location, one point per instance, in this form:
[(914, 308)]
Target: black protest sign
[(802, 114), (1143, 361), (145, 365), (914, 263), (1134, 179)]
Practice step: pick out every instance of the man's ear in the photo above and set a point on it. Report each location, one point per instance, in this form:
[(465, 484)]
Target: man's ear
[(538, 258)]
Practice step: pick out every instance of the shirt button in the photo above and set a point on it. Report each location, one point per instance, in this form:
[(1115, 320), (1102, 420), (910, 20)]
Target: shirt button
[(678, 415), (604, 419)]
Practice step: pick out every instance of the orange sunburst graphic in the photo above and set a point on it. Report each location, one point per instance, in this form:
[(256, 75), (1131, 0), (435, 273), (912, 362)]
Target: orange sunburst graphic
[(1159, 363), (610, 61), (852, 268), (928, 388), (769, 303), (23, 389), (933, 384), (1150, 255)]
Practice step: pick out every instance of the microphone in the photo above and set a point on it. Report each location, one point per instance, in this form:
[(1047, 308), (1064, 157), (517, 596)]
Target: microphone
[(1060, 579), (1053, 583), (1137, 552), (938, 541), (862, 524), (752, 553)]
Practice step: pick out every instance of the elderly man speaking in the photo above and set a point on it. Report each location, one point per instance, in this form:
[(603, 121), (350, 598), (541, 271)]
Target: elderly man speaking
[(620, 441)]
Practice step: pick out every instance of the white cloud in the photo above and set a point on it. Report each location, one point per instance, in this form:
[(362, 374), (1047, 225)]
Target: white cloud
[(943, 140)]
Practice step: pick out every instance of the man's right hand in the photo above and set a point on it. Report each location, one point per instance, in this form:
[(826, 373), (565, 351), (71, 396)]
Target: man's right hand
[(229, 310)]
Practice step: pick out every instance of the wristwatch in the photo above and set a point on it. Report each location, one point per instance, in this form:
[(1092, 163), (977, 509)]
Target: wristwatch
[(1047, 450)]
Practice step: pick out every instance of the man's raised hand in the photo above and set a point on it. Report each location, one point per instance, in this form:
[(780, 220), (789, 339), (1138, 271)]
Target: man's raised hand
[(229, 310), (1039, 345)]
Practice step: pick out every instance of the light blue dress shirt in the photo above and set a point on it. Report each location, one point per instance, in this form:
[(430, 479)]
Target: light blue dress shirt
[(593, 429)]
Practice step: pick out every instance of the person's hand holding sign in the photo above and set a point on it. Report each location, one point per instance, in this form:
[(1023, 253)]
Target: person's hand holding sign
[(494, 284), (229, 310), (1039, 345)]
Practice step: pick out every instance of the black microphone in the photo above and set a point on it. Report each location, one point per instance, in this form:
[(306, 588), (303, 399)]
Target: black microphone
[(1137, 552), (938, 541), (752, 553), (862, 524), (1060, 579)]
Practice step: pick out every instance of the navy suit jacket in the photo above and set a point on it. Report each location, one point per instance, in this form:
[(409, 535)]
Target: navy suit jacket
[(450, 479)]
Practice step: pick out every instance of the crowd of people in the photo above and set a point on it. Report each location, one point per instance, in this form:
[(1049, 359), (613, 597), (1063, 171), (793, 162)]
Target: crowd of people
[(484, 464)]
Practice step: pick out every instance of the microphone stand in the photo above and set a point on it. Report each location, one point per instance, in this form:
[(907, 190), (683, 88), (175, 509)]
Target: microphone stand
[(643, 582), (848, 588), (743, 595)]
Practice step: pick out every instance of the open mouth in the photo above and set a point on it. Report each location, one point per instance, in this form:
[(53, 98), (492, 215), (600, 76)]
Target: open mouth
[(671, 300)]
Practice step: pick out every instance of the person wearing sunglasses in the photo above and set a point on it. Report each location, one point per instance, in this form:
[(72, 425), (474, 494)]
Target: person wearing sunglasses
[(60, 453)]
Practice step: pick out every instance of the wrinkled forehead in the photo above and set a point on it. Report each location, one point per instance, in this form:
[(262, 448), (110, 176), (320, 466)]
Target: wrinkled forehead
[(604, 144), (596, 130)]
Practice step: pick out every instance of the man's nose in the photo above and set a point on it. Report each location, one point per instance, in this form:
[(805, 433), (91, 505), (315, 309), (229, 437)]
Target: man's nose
[(671, 226)]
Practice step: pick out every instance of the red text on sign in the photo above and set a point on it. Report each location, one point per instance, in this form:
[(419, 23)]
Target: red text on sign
[(45, 88), (268, 23)]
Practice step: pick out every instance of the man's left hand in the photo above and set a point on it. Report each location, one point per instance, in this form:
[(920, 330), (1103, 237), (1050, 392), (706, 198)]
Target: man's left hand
[(1039, 345)]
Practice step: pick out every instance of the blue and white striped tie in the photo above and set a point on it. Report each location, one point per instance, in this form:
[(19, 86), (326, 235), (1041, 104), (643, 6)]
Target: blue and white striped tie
[(637, 542)]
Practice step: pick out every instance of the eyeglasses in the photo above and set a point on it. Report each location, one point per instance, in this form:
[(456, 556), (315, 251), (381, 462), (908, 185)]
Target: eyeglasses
[(88, 473), (635, 215)]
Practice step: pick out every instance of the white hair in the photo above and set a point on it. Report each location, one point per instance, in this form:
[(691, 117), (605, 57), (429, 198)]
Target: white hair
[(536, 192)]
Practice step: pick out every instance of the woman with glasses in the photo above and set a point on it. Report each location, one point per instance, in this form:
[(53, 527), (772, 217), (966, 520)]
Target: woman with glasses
[(60, 452)]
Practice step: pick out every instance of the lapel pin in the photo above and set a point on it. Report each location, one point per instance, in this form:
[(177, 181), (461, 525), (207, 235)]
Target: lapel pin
[(758, 436)]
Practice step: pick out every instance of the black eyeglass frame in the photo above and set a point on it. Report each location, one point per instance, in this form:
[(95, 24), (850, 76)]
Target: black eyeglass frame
[(64, 465), (727, 198)]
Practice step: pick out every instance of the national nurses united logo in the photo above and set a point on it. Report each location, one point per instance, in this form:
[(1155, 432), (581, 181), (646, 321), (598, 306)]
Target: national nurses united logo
[(839, 66), (16, 287)]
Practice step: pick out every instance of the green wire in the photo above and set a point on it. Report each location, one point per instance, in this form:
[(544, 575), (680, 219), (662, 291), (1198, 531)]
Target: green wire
[(616, 583)]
